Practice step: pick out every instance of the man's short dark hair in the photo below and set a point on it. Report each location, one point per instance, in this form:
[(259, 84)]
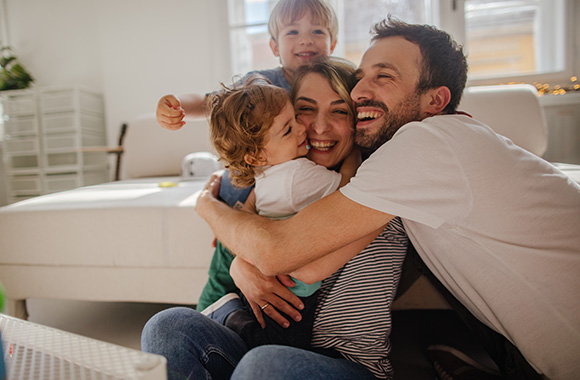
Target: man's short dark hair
[(443, 61)]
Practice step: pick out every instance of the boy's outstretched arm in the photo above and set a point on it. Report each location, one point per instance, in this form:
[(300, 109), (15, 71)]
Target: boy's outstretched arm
[(172, 111)]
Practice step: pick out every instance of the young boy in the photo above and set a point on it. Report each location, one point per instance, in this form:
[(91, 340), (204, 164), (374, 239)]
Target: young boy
[(254, 130), (300, 31)]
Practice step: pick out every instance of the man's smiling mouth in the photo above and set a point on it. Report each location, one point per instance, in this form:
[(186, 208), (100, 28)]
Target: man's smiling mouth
[(369, 115)]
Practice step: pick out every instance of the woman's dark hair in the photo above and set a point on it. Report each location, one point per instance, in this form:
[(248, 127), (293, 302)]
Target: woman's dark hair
[(443, 61)]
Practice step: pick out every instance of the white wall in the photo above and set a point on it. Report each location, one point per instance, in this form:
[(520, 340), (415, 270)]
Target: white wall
[(134, 51)]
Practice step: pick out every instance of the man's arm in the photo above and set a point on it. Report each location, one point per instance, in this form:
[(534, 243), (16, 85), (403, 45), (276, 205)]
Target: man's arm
[(282, 246)]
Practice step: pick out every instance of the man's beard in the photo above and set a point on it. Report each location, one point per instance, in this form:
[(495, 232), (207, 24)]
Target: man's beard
[(406, 111)]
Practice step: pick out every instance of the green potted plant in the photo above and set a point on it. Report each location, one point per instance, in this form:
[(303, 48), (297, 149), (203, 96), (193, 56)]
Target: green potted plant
[(13, 76)]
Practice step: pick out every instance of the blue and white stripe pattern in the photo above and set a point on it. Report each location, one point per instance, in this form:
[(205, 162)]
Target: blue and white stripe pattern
[(353, 315)]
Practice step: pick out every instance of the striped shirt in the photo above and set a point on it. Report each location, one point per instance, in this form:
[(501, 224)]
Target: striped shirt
[(353, 315)]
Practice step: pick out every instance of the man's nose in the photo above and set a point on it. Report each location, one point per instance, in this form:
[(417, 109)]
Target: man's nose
[(361, 91)]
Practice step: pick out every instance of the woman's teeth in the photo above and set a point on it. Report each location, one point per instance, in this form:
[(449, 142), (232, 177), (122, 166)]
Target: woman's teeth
[(322, 146)]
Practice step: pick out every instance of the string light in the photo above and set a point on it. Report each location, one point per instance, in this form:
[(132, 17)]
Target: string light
[(559, 89)]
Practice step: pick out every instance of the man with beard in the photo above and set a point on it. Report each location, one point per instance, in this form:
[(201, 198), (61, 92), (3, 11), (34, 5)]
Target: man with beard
[(494, 225)]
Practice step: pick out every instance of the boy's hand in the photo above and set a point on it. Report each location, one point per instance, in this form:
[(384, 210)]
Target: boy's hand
[(169, 113)]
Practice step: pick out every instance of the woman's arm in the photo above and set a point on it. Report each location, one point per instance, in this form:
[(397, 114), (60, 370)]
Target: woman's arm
[(323, 267)]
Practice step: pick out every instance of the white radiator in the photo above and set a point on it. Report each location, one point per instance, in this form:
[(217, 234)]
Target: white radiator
[(36, 352), (563, 119)]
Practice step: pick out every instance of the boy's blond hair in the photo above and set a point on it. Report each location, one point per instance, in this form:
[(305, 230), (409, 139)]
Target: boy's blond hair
[(288, 11), (240, 118)]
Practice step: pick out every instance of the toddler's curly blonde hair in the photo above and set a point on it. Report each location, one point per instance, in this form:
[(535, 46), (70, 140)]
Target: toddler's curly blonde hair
[(240, 118)]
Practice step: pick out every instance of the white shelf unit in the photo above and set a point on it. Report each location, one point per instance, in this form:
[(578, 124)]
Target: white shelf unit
[(47, 133)]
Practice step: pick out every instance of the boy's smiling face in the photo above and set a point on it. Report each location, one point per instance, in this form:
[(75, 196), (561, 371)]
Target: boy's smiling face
[(300, 42)]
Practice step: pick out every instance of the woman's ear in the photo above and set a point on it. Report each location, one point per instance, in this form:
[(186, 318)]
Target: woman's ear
[(435, 100), (274, 47), (254, 160)]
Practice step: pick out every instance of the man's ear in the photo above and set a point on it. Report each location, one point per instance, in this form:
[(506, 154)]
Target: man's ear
[(435, 100), (254, 160), (274, 47)]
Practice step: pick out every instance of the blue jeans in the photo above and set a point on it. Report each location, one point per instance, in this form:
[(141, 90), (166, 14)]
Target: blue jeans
[(290, 363), (197, 347)]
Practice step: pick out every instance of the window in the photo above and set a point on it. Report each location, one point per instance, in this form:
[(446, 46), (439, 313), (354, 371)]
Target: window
[(514, 37), (360, 15), (249, 38), (504, 40)]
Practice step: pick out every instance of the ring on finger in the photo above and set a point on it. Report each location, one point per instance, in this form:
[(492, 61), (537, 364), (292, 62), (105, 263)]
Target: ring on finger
[(265, 306)]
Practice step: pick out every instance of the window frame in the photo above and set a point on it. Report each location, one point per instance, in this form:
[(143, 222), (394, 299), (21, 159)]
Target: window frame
[(449, 16), (454, 22)]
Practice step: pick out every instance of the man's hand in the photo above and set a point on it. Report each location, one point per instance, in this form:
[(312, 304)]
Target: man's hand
[(265, 294), (212, 187), (169, 113)]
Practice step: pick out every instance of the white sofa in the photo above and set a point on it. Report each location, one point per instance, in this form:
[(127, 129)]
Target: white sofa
[(131, 240), (136, 241)]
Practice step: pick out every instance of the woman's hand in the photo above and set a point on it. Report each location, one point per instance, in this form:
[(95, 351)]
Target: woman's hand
[(265, 293)]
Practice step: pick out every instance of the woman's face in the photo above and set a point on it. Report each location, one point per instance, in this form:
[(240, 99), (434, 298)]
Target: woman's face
[(326, 117)]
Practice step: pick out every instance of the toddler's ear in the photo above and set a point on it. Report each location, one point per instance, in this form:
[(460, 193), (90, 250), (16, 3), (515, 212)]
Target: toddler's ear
[(274, 47), (254, 161)]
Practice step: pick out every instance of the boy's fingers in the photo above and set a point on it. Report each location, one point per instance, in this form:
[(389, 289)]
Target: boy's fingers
[(171, 123), (173, 126), (170, 119), (172, 101), (172, 112)]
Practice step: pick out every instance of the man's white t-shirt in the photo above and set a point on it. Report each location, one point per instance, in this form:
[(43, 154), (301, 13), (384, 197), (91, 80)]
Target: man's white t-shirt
[(498, 226)]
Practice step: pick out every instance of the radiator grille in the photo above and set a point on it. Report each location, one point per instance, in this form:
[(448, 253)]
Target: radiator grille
[(34, 352)]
